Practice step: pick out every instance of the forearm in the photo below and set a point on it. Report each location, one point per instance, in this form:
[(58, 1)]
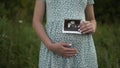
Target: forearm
[(39, 29), (89, 13), (37, 22)]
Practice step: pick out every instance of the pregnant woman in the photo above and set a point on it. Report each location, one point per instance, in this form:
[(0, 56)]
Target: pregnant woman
[(65, 50)]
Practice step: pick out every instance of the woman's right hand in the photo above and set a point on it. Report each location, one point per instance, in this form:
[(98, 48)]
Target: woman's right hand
[(63, 49)]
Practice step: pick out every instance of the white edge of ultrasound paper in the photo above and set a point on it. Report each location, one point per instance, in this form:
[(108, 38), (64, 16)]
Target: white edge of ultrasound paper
[(74, 32)]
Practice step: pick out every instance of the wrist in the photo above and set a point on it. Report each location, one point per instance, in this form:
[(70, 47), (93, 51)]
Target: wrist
[(50, 46), (94, 25)]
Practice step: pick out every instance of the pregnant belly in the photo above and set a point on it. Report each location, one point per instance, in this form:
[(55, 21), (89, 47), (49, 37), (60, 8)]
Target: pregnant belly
[(54, 32)]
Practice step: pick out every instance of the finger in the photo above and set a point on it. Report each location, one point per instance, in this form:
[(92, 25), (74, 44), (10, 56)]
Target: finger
[(66, 44), (71, 50), (80, 25), (88, 31), (85, 25), (69, 55)]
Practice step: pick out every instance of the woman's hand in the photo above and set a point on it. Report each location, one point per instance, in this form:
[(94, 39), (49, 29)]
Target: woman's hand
[(63, 49), (87, 27)]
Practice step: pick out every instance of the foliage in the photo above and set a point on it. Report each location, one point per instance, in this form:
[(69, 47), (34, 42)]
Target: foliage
[(16, 9), (107, 11), (107, 43), (19, 47)]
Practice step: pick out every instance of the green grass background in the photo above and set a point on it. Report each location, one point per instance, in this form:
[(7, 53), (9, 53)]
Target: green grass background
[(19, 46)]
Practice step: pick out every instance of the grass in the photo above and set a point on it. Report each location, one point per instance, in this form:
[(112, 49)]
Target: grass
[(107, 43), (19, 46)]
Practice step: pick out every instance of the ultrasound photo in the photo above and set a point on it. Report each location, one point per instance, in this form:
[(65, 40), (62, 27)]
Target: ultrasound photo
[(71, 26)]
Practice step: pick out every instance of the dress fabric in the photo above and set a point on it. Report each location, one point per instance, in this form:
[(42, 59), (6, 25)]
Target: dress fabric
[(56, 12)]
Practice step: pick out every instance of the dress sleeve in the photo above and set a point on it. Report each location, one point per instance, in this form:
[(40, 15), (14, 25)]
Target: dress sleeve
[(90, 1)]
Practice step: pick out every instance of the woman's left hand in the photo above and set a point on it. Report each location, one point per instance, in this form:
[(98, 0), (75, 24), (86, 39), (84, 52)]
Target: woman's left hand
[(87, 27)]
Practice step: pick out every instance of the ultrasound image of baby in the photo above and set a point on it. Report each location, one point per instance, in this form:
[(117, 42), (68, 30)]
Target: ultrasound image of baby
[(72, 26)]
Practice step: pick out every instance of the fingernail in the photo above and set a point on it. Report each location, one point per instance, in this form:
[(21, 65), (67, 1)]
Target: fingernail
[(75, 54), (70, 44), (83, 32), (82, 22), (79, 30)]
